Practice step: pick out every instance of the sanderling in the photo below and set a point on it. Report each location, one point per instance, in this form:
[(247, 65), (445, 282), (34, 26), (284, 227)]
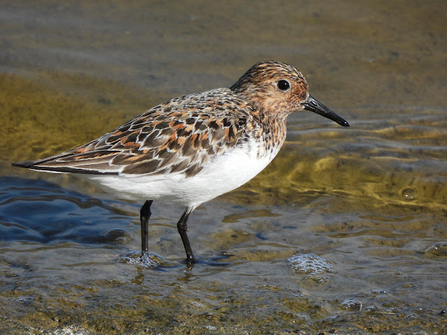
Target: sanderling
[(194, 148)]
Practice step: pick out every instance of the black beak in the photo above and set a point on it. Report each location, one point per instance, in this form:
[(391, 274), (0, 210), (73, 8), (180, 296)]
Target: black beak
[(315, 106)]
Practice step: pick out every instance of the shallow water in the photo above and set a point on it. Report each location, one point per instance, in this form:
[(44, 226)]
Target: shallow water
[(345, 232)]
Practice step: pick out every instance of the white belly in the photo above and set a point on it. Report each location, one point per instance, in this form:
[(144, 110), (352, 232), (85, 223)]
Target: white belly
[(222, 174)]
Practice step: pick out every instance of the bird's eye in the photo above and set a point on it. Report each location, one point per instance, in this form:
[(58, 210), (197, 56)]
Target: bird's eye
[(283, 85)]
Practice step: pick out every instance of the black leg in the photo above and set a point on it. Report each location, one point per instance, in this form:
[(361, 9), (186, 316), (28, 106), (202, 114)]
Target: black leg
[(145, 214), (182, 227)]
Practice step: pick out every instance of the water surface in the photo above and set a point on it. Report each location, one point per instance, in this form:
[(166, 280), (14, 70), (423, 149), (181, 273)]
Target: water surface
[(345, 232)]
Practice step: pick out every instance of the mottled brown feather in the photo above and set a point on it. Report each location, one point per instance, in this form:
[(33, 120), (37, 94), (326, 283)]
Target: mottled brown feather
[(184, 134)]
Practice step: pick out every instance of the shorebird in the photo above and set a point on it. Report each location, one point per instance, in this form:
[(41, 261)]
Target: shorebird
[(194, 148)]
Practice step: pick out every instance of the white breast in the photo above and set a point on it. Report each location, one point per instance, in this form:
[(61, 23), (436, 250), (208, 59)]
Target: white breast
[(224, 173)]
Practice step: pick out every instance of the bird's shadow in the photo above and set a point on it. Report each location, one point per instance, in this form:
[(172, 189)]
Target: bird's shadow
[(35, 210), (39, 211)]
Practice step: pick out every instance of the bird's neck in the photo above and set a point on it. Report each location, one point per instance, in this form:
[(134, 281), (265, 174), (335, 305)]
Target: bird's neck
[(271, 128)]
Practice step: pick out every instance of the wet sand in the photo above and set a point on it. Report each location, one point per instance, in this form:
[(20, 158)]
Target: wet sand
[(363, 207)]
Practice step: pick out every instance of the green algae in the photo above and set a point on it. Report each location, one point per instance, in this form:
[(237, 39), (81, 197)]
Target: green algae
[(370, 199)]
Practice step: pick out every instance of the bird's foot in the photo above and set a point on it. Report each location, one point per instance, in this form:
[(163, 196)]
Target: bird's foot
[(144, 259)]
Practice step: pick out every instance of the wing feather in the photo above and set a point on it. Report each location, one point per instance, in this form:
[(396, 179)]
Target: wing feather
[(180, 136)]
